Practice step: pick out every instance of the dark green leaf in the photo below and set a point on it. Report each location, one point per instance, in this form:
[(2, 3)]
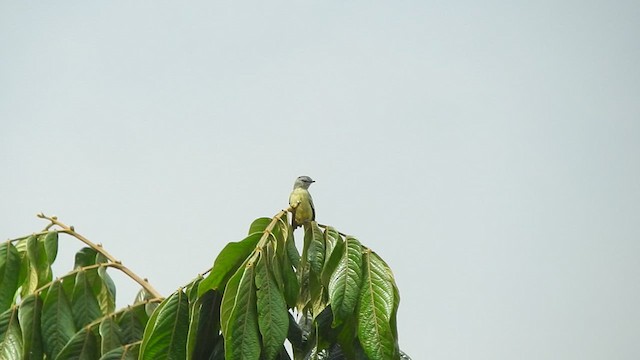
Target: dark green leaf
[(344, 283), (110, 335), (85, 257), (57, 321), (331, 238), (132, 322), (239, 319), (107, 292), (9, 274), (227, 262), (332, 261), (375, 307), (168, 338), (82, 346), (83, 301), (291, 285), (50, 244), (29, 315), (128, 352), (273, 318), (10, 335), (204, 338), (292, 250), (316, 248)]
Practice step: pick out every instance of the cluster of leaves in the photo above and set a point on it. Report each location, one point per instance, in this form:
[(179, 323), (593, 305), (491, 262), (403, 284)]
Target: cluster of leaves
[(338, 300), (72, 317)]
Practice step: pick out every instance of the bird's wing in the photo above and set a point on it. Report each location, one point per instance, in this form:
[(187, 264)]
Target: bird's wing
[(313, 209)]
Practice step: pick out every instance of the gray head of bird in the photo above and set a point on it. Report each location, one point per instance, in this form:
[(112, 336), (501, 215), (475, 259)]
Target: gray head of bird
[(303, 182)]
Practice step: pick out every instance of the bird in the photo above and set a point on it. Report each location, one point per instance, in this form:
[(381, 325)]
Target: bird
[(301, 202)]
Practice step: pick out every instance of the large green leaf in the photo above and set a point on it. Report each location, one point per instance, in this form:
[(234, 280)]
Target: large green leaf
[(57, 321), (29, 315), (23, 276), (82, 346), (273, 317), (316, 252), (227, 262), (50, 245), (39, 260), (291, 285), (110, 335), (332, 260), (84, 303), (9, 274), (331, 238), (344, 283), (10, 335), (168, 337), (132, 322), (106, 294), (28, 248), (204, 333), (375, 308), (239, 319), (85, 257)]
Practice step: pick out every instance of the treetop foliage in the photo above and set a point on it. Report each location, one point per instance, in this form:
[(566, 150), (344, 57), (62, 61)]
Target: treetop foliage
[(335, 300)]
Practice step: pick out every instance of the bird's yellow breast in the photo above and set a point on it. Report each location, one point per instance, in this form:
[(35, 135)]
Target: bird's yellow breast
[(300, 200)]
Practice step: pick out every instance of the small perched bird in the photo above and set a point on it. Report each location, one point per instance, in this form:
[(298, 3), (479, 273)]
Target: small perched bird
[(301, 202)]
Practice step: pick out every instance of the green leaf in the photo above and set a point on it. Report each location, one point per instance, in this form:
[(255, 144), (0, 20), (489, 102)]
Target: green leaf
[(204, 333), (227, 262), (29, 316), (331, 238), (292, 250), (344, 283), (316, 248), (39, 260), (127, 352), (57, 321), (239, 319), (9, 274), (332, 261), (82, 346), (10, 335), (375, 308), (50, 244), (85, 257), (132, 323), (168, 338), (273, 317), (83, 300), (291, 285), (110, 335), (32, 275), (259, 225), (107, 292), (23, 276)]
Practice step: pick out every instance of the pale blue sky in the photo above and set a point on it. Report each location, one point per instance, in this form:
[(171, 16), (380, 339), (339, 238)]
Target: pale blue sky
[(488, 151)]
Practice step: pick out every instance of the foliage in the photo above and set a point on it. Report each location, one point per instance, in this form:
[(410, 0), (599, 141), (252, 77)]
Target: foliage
[(336, 300)]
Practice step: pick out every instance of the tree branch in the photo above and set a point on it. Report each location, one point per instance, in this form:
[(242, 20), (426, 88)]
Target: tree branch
[(98, 247)]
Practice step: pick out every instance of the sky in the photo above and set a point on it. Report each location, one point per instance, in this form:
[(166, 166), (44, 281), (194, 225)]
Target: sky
[(488, 151)]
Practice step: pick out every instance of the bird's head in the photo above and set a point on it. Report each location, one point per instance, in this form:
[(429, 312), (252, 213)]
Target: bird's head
[(303, 182)]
